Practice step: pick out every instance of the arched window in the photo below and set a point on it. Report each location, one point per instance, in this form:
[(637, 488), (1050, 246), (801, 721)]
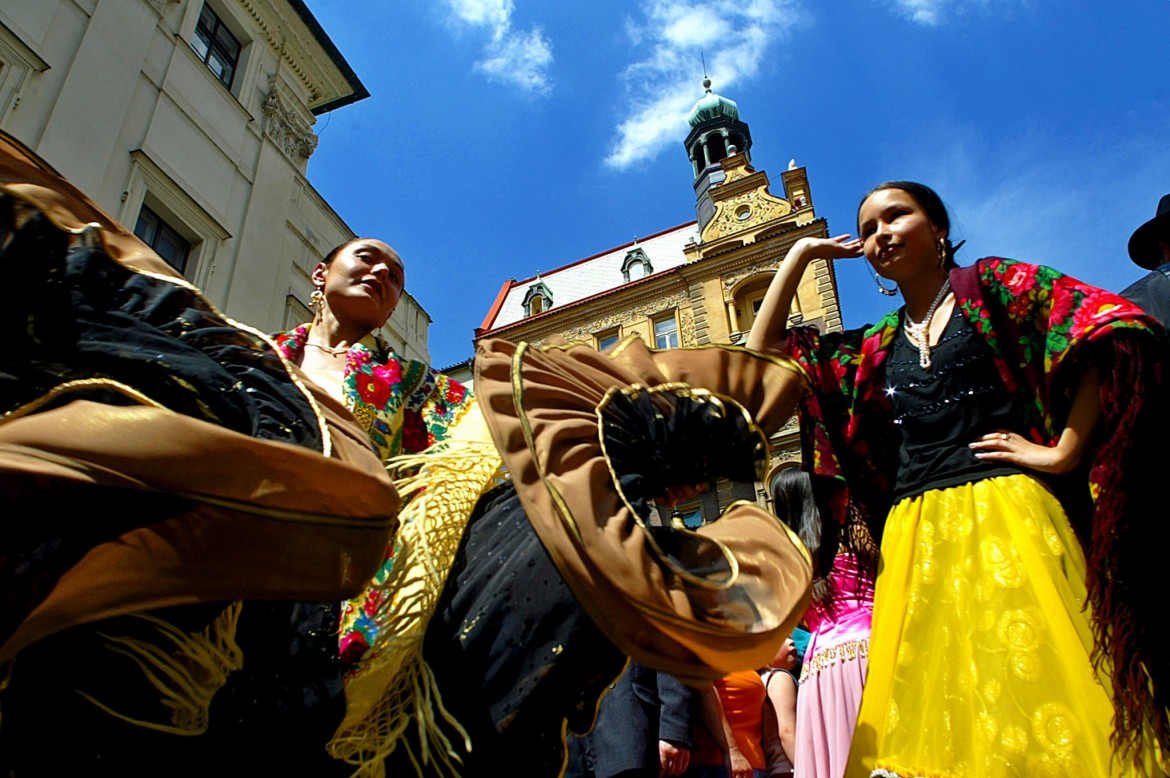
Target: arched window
[(748, 299)]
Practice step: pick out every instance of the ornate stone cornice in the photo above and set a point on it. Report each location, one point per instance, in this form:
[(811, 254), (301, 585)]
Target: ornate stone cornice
[(285, 126), (633, 313), (301, 55)]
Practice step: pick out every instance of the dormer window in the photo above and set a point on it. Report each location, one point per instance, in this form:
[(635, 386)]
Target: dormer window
[(636, 265), (538, 299)]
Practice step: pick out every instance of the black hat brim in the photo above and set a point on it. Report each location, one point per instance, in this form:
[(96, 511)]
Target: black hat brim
[(1143, 244)]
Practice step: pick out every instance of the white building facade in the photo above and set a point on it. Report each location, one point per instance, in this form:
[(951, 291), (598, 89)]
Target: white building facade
[(191, 121)]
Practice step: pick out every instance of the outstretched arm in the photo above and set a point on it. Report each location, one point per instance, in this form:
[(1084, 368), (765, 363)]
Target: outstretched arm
[(768, 331)]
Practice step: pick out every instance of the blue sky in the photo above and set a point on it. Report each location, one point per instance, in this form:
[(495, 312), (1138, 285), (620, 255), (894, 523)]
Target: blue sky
[(507, 137)]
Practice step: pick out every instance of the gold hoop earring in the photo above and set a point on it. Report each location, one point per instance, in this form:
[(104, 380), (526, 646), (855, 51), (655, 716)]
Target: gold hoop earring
[(877, 280), (317, 300)]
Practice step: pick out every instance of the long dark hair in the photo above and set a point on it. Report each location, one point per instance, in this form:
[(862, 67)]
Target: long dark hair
[(793, 503), (930, 203)]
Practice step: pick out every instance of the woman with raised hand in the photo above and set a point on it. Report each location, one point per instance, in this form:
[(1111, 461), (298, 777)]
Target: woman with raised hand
[(999, 434)]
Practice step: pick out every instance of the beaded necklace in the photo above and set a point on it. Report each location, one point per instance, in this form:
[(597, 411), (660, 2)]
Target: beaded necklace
[(918, 333)]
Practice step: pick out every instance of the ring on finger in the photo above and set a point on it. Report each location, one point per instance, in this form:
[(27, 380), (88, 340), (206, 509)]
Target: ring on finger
[(1003, 436)]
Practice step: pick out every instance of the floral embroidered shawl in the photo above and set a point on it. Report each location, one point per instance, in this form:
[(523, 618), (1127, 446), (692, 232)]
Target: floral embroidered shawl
[(405, 407), (403, 404), (1044, 329)]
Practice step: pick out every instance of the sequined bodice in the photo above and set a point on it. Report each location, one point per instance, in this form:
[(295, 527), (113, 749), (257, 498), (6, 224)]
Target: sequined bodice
[(942, 409)]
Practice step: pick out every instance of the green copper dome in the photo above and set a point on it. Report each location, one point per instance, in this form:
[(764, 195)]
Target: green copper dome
[(712, 106)]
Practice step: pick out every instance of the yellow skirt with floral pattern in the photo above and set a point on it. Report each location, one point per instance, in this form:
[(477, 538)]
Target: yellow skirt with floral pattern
[(979, 656)]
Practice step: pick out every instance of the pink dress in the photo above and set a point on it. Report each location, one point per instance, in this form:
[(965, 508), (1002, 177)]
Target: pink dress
[(834, 673)]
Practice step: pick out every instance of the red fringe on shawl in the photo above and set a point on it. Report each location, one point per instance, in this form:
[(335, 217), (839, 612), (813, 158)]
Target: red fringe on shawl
[(1126, 548)]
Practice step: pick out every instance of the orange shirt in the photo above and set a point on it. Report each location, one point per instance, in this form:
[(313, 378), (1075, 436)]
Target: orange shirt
[(742, 695)]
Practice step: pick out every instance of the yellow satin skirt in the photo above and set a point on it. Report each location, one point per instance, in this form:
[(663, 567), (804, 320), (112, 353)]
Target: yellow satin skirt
[(979, 656)]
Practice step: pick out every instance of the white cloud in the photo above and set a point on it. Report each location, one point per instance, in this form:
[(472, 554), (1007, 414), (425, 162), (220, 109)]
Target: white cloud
[(733, 36), (519, 58), (931, 12), (493, 13), (922, 11)]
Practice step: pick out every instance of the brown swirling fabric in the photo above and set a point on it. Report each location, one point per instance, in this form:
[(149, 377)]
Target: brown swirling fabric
[(140, 507), (716, 600)]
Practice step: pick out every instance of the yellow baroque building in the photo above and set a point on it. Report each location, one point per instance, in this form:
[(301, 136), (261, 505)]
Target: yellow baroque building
[(698, 283)]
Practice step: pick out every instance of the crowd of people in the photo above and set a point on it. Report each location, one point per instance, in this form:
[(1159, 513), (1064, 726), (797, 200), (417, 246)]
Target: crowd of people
[(303, 553)]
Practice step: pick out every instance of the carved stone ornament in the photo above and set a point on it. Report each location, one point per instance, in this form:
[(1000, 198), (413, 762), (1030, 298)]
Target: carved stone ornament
[(787, 455), (285, 127), (744, 212), (737, 170), (585, 332), (686, 327), (731, 280)]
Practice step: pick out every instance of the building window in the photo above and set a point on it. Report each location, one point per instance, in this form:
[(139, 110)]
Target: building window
[(666, 332), (636, 265), (163, 238), (608, 339), (748, 301), (216, 46), (538, 299), (689, 516), (18, 64), (752, 303)]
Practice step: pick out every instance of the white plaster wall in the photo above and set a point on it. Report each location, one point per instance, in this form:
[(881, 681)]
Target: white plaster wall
[(116, 99)]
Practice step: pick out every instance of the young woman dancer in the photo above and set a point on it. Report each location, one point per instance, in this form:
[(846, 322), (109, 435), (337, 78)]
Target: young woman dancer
[(999, 434)]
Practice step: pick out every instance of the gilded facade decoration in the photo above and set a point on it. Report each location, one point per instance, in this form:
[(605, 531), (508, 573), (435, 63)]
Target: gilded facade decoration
[(686, 327), (786, 454), (634, 314), (744, 212)]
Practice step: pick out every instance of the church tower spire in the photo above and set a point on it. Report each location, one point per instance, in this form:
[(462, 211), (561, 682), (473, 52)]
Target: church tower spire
[(716, 133)]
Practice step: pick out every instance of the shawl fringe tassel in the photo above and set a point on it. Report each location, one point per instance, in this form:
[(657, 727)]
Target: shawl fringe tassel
[(1126, 560), (188, 675), (393, 685)]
